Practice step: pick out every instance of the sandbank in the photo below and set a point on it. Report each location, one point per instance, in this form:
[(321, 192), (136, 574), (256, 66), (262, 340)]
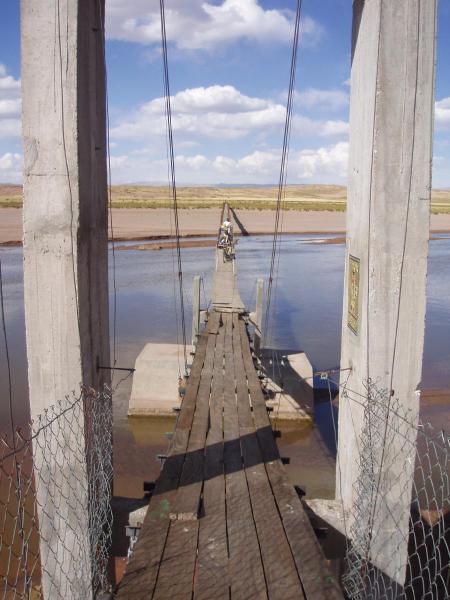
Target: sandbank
[(157, 223)]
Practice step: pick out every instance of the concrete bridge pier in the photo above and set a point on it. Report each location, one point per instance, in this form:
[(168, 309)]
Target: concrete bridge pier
[(391, 119), (65, 259), (257, 315)]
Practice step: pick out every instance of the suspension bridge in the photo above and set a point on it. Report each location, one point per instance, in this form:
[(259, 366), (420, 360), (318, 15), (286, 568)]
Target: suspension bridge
[(224, 521)]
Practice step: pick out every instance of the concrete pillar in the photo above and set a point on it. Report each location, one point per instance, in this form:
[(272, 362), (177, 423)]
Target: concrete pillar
[(256, 317), (65, 257), (195, 308), (391, 117)]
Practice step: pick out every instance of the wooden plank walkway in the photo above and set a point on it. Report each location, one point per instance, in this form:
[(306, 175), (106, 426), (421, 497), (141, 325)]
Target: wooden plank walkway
[(226, 295), (224, 521)]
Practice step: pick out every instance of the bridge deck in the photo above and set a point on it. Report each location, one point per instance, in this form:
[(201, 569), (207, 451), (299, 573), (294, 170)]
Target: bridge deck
[(226, 295), (224, 521)]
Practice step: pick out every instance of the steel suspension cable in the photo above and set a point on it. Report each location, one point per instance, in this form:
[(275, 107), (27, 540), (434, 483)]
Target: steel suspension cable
[(283, 168), (101, 18), (173, 186)]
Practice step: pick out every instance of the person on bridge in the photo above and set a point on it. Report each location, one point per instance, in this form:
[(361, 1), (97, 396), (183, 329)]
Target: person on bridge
[(226, 233)]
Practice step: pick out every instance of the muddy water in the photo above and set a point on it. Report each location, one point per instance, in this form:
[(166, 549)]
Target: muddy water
[(307, 316)]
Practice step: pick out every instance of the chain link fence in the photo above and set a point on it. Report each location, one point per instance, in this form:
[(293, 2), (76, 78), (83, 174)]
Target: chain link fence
[(55, 512), (399, 525)]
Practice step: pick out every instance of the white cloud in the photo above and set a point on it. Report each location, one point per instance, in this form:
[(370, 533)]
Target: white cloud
[(219, 112), (325, 164), (442, 112), (197, 24), (10, 167), (333, 128), (212, 112), (10, 105), (7, 83), (10, 108), (216, 98), (304, 165), (331, 100), (10, 128), (315, 127), (118, 161)]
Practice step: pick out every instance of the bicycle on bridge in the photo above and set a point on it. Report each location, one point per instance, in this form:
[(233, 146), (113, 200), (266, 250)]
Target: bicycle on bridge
[(225, 241)]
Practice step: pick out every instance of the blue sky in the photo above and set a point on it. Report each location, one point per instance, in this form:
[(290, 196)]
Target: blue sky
[(229, 66)]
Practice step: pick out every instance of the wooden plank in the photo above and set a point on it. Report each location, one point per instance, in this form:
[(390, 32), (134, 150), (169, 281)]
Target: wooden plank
[(281, 573), (142, 570), (242, 395), (317, 580), (225, 289), (230, 421), (212, 579), (176, 574), (217, 388), (186, 415), (246, 570), (187, 501)]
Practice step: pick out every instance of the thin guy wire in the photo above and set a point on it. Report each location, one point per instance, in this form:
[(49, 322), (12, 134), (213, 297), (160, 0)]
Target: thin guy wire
[(172, 169), (275, 356), (66, 161), (205, 299), (338, 462), (101, 17), (11, 417), (280, 238), (172, 252), (283, 166), (344, 395), (405, 236), (370, 194), (8, 360)]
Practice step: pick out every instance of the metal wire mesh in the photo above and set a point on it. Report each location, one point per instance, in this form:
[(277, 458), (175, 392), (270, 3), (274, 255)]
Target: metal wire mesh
[(400, 521), (55, 512)]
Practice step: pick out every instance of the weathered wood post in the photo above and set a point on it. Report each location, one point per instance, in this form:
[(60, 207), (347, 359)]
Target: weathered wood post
[(65, 258), (391, 119), (195, 308), (256, 317)]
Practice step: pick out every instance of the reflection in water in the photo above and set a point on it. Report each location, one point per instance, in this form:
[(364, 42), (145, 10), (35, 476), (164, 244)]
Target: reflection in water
[(136, 447), (307, 313)]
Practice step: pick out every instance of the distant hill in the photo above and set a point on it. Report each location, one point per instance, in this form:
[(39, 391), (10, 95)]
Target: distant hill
[(261, 197)]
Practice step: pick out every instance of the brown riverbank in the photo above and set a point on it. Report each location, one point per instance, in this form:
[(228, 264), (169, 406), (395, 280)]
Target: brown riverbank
[(156, 223), (208, 243)]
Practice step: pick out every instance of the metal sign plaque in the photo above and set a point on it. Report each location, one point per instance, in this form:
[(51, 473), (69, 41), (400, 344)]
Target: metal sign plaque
[(353, 294)]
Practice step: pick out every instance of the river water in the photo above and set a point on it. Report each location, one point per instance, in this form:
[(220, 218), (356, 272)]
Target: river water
[(307, 315)]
